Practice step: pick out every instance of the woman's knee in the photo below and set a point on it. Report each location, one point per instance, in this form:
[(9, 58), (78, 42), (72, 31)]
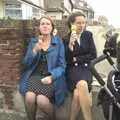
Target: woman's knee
[(42, 100), (30, 97), (82, 86), (83, 92), (75, 94)]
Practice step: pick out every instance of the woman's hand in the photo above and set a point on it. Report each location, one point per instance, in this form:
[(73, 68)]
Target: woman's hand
[(47, 80), (73, 38), (37, 47)]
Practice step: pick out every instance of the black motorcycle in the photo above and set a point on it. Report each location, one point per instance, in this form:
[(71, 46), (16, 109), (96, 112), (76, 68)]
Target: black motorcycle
[(109, 95)]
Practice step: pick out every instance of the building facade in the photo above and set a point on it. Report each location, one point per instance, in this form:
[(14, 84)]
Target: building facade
[(66, 7), (21, 9), (84, 7), (58, 9)]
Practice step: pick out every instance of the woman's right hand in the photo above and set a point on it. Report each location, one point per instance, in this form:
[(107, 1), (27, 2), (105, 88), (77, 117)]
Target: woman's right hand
[(37, 46), (47, 80), (73, 38)]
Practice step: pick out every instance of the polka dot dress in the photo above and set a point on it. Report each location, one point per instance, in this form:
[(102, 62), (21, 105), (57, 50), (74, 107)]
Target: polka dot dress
[(34, 83)]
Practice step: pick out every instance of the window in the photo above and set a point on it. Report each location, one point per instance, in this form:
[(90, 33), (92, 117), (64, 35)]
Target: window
[(36, 12), (13, 10), (53, 17), (16, 14)]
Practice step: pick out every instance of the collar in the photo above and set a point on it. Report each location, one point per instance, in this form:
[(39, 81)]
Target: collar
[(54, 40)]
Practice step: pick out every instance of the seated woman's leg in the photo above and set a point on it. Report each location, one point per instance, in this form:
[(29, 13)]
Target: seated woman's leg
[(30, 105), (47, 107), (75, 107), (84, 99)]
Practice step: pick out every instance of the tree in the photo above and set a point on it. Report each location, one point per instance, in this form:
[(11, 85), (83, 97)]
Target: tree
[(103, 20)]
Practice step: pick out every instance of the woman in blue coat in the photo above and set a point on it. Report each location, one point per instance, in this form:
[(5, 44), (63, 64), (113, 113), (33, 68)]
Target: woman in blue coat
[(43, 82)]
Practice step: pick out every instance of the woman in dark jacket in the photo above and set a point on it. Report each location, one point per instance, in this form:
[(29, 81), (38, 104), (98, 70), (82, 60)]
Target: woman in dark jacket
[(80, 50), (43, 81)]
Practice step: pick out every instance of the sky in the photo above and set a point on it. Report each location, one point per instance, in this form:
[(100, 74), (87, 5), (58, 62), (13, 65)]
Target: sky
[(108, 8)]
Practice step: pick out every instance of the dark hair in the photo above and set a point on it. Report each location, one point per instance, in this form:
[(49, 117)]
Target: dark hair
[(48, 18), (72, 18)]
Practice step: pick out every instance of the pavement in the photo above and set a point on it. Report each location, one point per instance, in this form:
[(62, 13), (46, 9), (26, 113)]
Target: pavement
[(61, 113)]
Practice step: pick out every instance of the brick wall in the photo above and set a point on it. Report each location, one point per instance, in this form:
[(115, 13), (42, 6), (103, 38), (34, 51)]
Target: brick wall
[(11, 49)]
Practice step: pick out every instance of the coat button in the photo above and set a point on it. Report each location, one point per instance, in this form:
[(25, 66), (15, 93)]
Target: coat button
[(74, 59), (86, 64), (76, 64)]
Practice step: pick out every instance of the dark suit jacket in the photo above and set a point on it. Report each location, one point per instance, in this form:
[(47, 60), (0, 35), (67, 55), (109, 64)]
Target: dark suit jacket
[(86, 51)]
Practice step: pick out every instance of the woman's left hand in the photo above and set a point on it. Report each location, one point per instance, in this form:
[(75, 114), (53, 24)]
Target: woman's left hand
[(47, 80)]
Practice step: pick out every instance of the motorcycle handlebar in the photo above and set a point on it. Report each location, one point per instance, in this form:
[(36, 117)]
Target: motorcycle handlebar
[(93, 70)]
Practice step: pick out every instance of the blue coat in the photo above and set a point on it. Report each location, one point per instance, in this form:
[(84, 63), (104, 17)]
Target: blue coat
[(56, 67)]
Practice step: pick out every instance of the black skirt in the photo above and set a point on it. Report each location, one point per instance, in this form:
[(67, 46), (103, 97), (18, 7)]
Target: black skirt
[(77, 73)]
